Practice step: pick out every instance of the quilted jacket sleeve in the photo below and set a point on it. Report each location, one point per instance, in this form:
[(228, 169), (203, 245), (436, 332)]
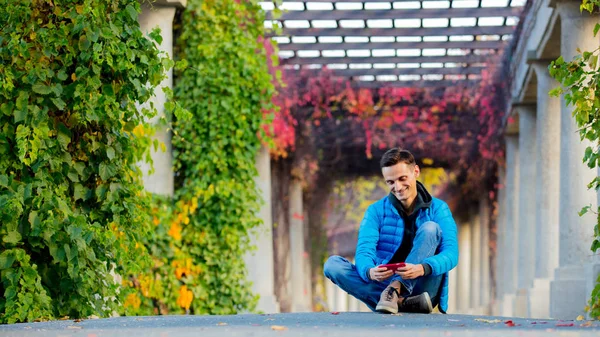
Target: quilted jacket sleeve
[(447, 256), (368, 237)]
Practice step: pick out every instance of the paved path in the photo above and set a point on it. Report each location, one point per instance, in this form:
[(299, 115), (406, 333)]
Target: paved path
[(305, 324)]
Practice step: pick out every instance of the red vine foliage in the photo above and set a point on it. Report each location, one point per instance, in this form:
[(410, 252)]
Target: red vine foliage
[(459, 127)]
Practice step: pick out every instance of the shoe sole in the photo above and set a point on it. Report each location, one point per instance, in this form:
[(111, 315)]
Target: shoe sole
[(429, 305), (388, 309)]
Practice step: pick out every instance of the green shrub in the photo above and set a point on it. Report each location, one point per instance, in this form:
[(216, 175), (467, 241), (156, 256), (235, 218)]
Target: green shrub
[(72, 205)]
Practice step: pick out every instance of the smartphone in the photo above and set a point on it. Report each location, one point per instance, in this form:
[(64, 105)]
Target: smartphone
[(393, 266)]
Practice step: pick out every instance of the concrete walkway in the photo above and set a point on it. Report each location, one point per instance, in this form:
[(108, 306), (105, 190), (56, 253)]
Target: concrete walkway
[(305, 324)]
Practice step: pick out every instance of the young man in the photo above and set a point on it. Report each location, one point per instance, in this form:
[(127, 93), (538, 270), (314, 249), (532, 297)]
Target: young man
[(408, 225)]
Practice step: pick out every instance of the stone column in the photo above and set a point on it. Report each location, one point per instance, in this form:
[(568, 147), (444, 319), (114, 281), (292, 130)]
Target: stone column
[(499, 263), (464, 264), (484, 216), (511, 249), (297, 251), (341, 299), (526, 211), (452, 292), (547, 180), (475, 269), (260, 261), (160, 15), (568, 294)]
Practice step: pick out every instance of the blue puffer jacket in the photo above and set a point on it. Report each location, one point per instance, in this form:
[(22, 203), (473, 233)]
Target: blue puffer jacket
[(380, 235)]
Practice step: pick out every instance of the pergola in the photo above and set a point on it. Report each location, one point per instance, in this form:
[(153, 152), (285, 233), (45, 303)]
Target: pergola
[(402, 43)]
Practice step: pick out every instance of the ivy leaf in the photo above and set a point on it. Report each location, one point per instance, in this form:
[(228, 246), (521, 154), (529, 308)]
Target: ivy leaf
[(59, 103), (132, 12), (64, 135), (41, 89), (6, 259), (110, 153), (595, 245), (596, 29), (13, 237), (107, 171), (155, 35)]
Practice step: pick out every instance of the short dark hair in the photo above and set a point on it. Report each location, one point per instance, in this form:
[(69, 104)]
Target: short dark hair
[(396, 155)]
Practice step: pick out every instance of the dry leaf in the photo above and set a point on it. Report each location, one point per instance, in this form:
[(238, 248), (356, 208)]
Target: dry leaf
[(488, 320), (221, 323), (77, 320), (335, 313), (63, 318), (586, 324), (278, 327), (74, 327), (509, 323), (580, 318)]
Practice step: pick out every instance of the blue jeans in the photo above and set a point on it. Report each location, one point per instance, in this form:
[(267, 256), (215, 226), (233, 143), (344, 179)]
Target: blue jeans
[(344, 274)]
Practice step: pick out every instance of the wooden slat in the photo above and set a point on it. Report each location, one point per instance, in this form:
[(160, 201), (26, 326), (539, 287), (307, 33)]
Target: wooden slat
[(438, 31), (379, 14), (412, 84), (393, 45), (399, 59), (408, 71)]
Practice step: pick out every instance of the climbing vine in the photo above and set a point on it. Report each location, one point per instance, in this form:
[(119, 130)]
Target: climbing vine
[(580, 79), (72, 204), (226, 87)]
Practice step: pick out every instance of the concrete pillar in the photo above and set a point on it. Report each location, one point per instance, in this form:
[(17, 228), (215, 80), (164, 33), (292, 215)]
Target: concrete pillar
[(484, 216), (297, 251), (547, 179), (162, 180), (526, 211), (501, 225), (511, 249), (475, 269), (568, 294), (464, 265), (260, 261), (330, 288), (452, 291)]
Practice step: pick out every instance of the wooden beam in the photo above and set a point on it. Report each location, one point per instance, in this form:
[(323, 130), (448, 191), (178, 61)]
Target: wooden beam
[(393, 45), (409, 71), (412, 84), (437, 31), (399, 59), (411, 13)]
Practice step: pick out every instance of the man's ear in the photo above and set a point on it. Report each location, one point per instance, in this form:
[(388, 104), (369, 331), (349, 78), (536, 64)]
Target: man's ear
[(417, 171)]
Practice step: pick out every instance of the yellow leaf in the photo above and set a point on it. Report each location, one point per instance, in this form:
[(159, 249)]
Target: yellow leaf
[(580, 318), (163, 147), (32, 36), (79, 9), (73, 77), (278, 327), (221, 323)]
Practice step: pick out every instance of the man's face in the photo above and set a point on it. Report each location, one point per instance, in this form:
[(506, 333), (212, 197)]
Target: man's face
[(402, 180)]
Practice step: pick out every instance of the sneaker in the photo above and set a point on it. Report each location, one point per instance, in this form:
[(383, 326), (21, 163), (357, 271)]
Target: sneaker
[(418, 304), (388, 303)]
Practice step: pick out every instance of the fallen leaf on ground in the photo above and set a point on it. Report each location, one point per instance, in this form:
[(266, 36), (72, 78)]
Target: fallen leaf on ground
[(488, 320), (509, 323), (63, 318), (278, 327), (580, 318), (335, 313), (586, 324), (565, 324), (77, 320), (74, 327), (221, 323)]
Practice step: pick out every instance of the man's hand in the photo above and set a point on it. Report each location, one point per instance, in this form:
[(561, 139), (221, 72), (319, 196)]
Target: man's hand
[(411, 271), (380, 274)]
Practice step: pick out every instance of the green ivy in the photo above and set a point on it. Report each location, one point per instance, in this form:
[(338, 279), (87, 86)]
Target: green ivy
[(580, 79), (226, 87), (72, 205)]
